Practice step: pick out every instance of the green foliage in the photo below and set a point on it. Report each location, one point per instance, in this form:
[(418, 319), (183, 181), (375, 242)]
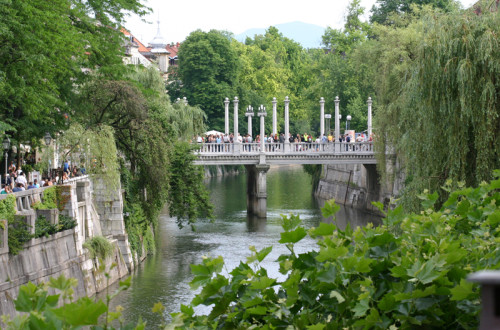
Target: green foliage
[(355, 31), (44, 228), (384, 10), (27, 168), (54, 197), (8, 207), (58, 38), (49, 200), (140, 234), (97, 143), (66, 222), (441, 102), (208, 71), (18, 234), (188, 195), (99, 247), (409, 272), (149, 241), (41, 310)]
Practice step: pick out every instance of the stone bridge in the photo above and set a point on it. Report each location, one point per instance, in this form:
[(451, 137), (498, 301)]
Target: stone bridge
[(257, 158)]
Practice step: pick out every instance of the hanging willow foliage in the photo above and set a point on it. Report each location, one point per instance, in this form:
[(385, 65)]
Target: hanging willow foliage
[(94, 149), (447, 125)]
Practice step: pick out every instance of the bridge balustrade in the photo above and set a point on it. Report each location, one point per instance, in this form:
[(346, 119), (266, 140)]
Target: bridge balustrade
[(294, 148)]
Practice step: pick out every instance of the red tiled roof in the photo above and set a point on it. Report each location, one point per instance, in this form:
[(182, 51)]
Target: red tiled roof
[(142, 48), (173, 49)]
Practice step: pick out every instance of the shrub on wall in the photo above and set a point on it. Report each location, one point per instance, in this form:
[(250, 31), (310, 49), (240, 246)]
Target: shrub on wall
[(54, 197), (49, 200), (44, 228), (18, 230), (99, 247), (66, 222), (19, 233)]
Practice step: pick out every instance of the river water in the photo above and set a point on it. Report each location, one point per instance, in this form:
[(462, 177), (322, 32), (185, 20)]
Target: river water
[(165, 276)]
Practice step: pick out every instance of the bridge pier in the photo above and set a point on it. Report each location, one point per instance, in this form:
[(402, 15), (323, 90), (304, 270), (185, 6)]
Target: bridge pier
[(257, 189)]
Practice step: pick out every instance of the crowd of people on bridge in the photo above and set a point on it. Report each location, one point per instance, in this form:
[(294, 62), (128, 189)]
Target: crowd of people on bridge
[(280, 138), (219, 142)]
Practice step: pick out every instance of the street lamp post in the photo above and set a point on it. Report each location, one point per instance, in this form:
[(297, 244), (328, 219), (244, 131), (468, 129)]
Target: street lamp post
[(249, 113), (328, 117), (6, 147), (348, 122), (47, 139), (22, 151), (370, 117)]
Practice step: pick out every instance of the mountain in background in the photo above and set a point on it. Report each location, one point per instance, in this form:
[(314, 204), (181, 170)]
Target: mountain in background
[(308, 35)]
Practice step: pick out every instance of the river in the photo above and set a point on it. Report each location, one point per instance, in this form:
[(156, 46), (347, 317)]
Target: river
[(165, 276)]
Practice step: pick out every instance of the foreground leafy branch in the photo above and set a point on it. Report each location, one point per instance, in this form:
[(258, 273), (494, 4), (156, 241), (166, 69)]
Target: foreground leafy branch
[(410, 272)]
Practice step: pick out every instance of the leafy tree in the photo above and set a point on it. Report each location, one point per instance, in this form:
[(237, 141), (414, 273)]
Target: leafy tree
[(354, 32), (45, 46), (294, 61), (148, 130), (442, 116), (384, 9), (260, 79), (189, 198), (208, 71)]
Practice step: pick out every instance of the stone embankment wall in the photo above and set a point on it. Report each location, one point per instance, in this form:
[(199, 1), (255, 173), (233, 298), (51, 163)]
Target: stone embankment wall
[(97, 212), (356, 186)]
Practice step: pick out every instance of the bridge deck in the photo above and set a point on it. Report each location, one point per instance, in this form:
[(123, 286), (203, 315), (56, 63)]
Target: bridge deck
[(281, 153)]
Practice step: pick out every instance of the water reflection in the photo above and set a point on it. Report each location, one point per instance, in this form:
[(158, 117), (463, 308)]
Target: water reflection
[(255, 224), (165, 277)]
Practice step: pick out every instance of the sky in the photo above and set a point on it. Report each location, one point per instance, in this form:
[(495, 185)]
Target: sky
[(181, 17)]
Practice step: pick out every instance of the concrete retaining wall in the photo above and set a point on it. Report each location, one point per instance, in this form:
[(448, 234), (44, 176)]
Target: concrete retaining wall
[(356, 186), (63, 253)]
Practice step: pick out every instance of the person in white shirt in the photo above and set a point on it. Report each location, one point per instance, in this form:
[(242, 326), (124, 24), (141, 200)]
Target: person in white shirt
[(22, 179)]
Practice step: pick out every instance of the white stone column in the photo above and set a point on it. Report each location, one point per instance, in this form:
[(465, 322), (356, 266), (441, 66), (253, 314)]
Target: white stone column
[(337, 119), (322, 117), (262, 113), (337, 125), (287, 125), (275, 123), (249, 113), (226, 117), (235, 133), (369, 117)]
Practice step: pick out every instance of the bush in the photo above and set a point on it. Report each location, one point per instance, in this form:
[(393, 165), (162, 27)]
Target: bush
[(53, 198), (8, 207), (18, 234), (49, 200), (18, 230), (44, 228), (99, 247), (66, 222), (408, 273)]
